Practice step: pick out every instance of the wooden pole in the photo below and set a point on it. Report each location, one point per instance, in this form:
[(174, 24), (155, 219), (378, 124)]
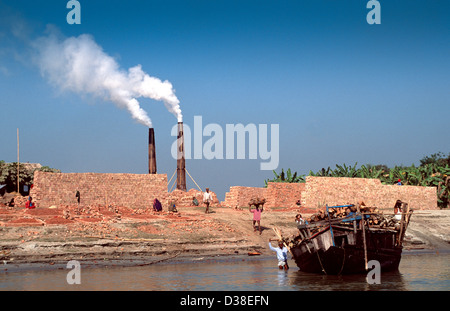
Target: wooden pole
[(400, 232), (331, 229), (364, 236), (18, 186), (278, 233), (405, 221)]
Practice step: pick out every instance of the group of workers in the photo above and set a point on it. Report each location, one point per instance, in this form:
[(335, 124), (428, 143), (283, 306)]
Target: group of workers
[(207, 199)]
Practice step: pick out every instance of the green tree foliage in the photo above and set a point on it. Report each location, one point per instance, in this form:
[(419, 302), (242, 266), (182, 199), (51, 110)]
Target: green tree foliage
[(436, 158), (288, 177), (8, 175), (322, 173), (2, 175)]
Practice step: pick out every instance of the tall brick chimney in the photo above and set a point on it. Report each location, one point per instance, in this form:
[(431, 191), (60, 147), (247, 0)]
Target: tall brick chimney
[(181, 163), (151, 152)]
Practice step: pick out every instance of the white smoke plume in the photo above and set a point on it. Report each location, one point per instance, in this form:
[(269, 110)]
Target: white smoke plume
[(80, 65)]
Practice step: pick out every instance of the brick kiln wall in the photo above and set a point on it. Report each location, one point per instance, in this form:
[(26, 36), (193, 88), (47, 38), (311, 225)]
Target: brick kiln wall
[(276, 195), (339, 191), (128, 190), (240, 196), (284, 194), (318, 191)]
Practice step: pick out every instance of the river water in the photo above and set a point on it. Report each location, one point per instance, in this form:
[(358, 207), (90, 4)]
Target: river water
[(417, 272)]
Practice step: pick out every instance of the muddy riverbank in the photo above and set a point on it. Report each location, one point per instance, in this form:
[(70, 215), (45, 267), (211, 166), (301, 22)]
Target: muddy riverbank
[(47, 237)]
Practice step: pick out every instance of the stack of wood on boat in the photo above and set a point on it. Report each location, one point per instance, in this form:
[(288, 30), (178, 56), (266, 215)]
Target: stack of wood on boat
[(374, 217), (342, 211)]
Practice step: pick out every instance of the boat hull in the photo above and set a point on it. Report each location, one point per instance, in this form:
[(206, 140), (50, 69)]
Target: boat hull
[(347, 245), (345, 260)]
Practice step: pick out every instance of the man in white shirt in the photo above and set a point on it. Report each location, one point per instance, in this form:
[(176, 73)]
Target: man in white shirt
[(207, 198), (281, 255)]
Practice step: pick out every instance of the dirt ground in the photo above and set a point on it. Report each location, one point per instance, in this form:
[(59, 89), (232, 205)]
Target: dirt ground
[(121, 235)]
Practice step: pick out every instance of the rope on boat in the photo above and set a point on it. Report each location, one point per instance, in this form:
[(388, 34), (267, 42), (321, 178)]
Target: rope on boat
[(320, 261), (343, 262)]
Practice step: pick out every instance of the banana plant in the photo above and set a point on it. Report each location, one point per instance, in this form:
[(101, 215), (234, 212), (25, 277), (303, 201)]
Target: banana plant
[(369, 171), (393, 175), (322, 173), (287, 177), (345, 171)]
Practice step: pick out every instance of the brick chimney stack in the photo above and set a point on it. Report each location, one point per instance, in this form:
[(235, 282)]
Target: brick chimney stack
[(181, 163), (151, 152)]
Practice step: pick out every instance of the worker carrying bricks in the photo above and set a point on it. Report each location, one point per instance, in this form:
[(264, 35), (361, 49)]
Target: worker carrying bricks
[(207, 198), (259, 204)]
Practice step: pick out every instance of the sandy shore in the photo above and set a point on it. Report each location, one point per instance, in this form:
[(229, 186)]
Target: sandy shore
[(39, 238)]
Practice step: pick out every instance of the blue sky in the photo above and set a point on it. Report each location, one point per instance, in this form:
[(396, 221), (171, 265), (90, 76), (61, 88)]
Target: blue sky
[(341, 90)]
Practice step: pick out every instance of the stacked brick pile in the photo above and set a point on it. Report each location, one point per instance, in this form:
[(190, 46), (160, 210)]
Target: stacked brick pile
[(20, 201), (337, 191), (318, 191), (240, 196), (130, 190), (283, 194), (276, 195)]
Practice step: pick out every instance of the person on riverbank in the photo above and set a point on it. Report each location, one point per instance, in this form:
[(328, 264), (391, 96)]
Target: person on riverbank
[(157, 207), (78, 196), (194, 201), (30, 204), (172, 207), (256, 217), (281, 255), (301, 225), (398, 210), (207, 198)]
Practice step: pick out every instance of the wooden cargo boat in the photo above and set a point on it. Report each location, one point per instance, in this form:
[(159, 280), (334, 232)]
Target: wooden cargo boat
[(345, 245)]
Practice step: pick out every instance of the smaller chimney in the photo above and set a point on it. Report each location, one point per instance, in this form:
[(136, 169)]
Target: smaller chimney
[(151, 152)]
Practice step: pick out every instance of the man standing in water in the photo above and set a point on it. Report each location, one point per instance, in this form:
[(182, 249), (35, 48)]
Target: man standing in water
[(281, 255)]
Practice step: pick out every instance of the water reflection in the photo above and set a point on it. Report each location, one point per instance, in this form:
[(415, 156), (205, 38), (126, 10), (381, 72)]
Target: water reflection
[(283, 278), (307, 281), (422, 272)]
